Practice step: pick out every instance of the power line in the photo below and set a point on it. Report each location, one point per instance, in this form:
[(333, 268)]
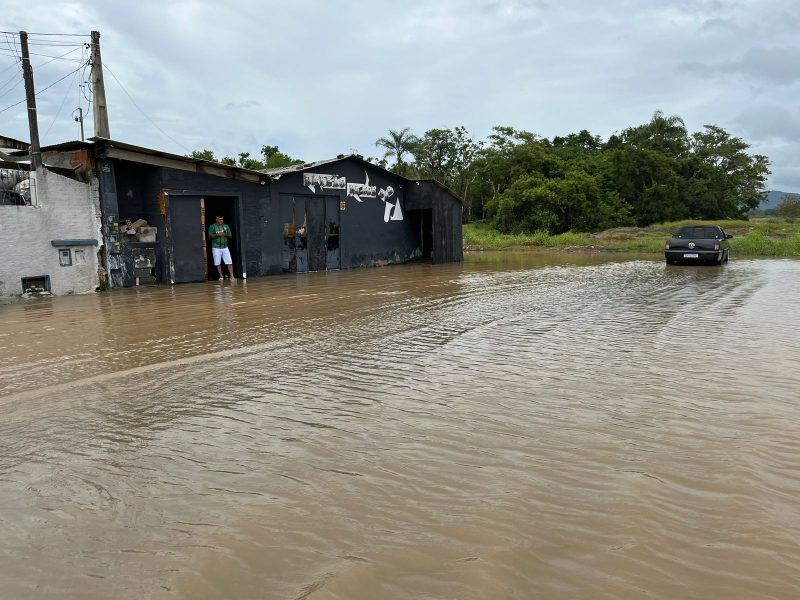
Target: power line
[(44, 89), (12, 65), (105, 66), (58, 34), (13, 87), (55, 44), (62, 57), (15, 76), (13, 49), (59, 80), (61, 106), (66, 93), (7, 81), (12, 105)]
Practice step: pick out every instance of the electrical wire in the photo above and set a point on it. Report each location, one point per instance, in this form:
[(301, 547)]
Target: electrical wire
[(54, 44), (11, 66), (59, 80), (57, 34), (13, 49), (61, 106), (13, 87), (7, 81), (10, 106), (62, 57), (44, 89), (105, 67), (3, 86)]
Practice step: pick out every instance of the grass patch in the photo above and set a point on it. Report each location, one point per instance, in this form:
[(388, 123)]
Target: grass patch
[(482, 236), (769, 236)]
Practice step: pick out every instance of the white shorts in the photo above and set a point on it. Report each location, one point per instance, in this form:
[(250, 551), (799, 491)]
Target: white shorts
[(221, 255)]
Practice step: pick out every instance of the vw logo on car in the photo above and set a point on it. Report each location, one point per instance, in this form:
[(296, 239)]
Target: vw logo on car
[(691, 245)]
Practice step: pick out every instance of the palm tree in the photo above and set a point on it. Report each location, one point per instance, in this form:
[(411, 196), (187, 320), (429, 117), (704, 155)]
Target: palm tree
[(663, 133), (668, 133), (397, 144)]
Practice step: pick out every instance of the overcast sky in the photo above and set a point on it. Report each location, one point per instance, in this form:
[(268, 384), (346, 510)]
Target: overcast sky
[(320, 78)]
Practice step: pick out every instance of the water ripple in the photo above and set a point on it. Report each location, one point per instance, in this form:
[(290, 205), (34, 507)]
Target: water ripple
[(517, 426)]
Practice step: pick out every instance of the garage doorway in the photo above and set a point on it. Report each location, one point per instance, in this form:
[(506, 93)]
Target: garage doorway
[(190, 214), (228, 207)]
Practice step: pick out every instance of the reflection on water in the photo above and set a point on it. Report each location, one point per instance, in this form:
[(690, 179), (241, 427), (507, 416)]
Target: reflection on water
[(522, 425)]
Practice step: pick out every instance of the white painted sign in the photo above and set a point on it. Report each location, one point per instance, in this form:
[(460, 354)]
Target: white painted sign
[(362, 190), (323, 181)]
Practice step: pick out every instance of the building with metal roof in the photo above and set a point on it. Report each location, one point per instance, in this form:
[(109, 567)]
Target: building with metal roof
[(331, 214)]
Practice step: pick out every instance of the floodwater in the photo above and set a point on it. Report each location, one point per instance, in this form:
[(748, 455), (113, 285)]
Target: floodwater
[(519, 426)]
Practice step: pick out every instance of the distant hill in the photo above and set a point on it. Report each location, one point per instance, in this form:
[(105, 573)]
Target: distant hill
[(774, 198)]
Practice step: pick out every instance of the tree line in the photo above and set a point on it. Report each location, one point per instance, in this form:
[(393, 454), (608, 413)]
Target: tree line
[(271, 158), (521, 182)]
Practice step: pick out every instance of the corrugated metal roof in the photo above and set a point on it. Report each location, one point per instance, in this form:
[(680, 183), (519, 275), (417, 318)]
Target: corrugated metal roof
[(272, 173), (107, 143), (276, 173), (169, 155), (312, 165)]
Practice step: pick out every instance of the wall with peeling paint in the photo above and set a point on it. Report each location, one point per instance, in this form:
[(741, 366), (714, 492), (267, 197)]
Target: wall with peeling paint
[(67, 210)]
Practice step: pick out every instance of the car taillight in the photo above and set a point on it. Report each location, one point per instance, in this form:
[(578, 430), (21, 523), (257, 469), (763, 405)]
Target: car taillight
[(666, 246), (716, 244)]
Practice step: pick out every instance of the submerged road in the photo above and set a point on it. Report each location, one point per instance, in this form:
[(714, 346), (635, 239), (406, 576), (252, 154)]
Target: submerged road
[(517, 426)]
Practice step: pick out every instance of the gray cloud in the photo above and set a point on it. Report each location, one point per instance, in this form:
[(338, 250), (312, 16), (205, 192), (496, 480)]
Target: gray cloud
[(242, 105), (318, 78), (770, 122)]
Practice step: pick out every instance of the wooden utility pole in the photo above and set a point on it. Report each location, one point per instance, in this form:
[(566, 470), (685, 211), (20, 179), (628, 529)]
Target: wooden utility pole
[(30, 96), (99, 91)]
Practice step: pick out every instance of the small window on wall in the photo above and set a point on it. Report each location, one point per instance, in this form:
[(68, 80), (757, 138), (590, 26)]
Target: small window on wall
[(65, 257), (36, 285)]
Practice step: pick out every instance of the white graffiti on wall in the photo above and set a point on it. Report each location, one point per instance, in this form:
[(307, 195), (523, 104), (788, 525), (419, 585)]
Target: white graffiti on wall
[(323, 181), (391, 212), (361, 190)]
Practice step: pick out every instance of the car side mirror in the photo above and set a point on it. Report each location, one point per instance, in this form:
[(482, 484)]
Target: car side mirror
[(729, 237)]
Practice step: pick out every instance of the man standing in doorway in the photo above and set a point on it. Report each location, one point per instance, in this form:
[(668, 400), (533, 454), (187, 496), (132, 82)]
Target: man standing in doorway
[(219, 233)]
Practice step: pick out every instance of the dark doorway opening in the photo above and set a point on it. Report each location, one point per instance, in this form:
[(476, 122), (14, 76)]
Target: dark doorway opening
[(228, 207), (426, 234)]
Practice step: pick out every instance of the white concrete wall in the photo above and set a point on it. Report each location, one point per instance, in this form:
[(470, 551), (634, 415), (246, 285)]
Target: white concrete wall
[(63, 209)]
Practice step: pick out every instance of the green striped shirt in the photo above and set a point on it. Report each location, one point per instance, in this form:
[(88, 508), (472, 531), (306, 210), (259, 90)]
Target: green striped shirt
[(219, 242)]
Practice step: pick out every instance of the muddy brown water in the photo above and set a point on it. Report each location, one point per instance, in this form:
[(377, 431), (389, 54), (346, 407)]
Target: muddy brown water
[(519, 426)]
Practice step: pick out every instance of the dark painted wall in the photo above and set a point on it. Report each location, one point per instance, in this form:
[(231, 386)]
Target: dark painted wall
[(139, 195), (447, 213), (384, 227), (369, 235), (132, 189), (257, 222)]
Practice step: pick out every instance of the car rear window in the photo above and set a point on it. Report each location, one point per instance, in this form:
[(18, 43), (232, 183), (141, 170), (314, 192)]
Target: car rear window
[(698, 232)]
